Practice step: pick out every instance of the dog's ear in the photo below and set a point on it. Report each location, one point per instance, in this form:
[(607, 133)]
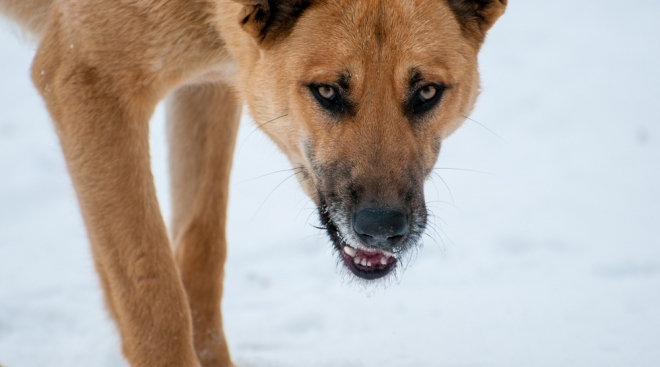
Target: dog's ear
[(271, 20), (477, 16)]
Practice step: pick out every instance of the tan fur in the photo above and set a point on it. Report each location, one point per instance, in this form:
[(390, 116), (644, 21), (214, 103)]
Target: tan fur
[(102, 66), (30, 14)]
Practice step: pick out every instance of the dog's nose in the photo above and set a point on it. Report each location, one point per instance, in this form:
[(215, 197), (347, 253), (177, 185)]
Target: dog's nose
[(380, 227)]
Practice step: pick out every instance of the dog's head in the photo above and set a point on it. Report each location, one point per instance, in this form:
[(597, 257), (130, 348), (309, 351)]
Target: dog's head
[(360, 94)]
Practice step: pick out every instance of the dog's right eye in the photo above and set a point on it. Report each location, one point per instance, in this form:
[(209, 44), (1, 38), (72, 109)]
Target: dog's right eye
[(328, 97)]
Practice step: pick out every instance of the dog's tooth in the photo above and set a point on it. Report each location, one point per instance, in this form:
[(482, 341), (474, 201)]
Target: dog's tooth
[(356, 260), (349, 251), (387, 254), (363, 262), (369, 263), (383, 260)]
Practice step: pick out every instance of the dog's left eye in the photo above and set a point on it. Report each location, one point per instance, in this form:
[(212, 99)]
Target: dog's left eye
[(426, 97), (328, 97), (327, 93)]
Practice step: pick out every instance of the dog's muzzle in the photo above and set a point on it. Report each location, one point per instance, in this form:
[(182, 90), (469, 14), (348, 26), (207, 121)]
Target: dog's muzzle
[(370, 239)]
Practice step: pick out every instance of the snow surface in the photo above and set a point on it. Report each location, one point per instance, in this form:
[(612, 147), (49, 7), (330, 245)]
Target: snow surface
[(550, 258)]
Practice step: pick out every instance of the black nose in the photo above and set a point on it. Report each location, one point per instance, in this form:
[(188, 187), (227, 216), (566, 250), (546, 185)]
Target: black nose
[(380, 227)]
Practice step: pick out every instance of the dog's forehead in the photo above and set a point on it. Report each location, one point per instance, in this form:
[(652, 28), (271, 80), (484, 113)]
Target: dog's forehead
[(341, 37)]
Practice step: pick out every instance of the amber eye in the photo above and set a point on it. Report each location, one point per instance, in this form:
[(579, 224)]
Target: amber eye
[(426, 98), (327, 92), (328, 97), (427, 93)]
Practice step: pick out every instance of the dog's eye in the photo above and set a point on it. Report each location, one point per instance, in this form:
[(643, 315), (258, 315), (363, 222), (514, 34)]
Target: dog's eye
[(327, 92), (328, 97), (426, 98), (427, 93)]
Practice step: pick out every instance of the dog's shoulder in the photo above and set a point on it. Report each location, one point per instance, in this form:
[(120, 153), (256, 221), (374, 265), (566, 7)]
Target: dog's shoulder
[(161, 42)]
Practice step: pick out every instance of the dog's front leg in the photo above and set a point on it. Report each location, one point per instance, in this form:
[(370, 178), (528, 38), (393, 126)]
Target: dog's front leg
[(203, 122), (102, 120)]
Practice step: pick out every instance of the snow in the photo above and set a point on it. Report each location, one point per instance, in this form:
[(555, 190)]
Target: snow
[(549, 258)]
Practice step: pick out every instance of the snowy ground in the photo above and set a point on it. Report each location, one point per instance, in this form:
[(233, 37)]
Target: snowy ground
[(550, 259)]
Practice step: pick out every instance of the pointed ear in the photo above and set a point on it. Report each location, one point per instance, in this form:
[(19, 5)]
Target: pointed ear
[(271, 20), (477, 16)]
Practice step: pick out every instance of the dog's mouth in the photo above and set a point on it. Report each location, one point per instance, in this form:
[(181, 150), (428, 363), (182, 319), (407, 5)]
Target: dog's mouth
[(367, 264), (364, 262)]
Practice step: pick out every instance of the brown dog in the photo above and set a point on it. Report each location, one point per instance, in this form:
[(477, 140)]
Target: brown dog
[(359, 94)]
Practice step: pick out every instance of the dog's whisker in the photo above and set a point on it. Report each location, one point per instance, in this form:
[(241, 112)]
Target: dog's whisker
[(435, 219), (429, 235), (308, 217), (259, 128), (484, 126), (438, 202), (435, 207), (453, 202), (310, 236), (433, 227), (463, 170), (305, 199), (409, 260), (437, 192), (271, 193), (297, 169), (312, 210), (441, 248), (438, 234)]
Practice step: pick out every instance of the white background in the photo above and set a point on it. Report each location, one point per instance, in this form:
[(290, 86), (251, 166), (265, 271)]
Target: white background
[(552, 258)]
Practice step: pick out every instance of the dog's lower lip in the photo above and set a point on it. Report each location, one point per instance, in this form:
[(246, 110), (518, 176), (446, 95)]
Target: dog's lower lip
[(368, 264)]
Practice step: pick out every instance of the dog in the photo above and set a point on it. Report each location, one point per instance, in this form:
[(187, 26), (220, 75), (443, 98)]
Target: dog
[(359, 95)]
